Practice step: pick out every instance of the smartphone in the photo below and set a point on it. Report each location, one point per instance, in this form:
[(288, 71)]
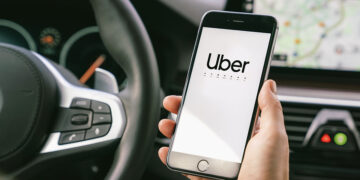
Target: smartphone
[(230, 62)]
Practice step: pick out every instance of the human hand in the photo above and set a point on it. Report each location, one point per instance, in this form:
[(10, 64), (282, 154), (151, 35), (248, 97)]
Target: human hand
[(267, 152)]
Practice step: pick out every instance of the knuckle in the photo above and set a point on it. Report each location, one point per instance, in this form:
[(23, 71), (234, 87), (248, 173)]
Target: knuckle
[(273, 104), (277, 105), (279, 135)]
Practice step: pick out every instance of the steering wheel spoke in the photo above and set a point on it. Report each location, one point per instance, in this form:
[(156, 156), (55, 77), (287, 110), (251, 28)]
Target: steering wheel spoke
[(86, 116)]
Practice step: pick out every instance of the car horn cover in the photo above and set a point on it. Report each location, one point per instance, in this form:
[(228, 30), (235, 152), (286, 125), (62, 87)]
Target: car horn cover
[(26, 92)]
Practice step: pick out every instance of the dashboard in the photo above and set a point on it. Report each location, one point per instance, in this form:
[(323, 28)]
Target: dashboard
[(310, 39), (64, 32)]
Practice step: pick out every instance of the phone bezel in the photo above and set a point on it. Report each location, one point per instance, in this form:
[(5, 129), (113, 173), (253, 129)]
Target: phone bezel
[(225, 20)]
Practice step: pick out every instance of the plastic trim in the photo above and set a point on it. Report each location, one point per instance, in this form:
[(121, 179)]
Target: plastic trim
[(318, 101)]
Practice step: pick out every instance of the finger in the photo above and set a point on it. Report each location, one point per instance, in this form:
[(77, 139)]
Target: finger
[(172, 103), (271, 110), (257, 126), (163, 151), (195, 177), (166, 127)]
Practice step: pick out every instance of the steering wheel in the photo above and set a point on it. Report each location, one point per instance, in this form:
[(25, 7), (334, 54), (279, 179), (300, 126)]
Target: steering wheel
[(46, 115)]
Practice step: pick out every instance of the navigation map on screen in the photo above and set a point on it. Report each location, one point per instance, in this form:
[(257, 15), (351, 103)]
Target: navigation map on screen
[(320, 34)]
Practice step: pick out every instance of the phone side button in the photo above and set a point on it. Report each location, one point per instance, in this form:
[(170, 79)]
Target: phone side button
[(203, 165)]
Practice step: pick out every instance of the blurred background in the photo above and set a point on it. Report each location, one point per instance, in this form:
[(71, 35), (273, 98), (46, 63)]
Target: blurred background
[(316, 64)]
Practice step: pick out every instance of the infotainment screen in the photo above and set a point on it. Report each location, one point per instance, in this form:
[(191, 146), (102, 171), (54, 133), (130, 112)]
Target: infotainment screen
[(318, 34)]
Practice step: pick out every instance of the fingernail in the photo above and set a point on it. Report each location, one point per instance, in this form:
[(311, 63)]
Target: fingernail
[(273, 86)]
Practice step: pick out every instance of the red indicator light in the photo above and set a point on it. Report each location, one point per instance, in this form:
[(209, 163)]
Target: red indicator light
[(325, 138)]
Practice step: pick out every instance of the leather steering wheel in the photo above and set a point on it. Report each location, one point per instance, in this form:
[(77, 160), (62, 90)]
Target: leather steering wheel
[(48, 97)]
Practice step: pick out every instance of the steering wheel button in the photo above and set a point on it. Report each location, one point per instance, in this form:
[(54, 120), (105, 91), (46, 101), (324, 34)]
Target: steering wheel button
[(97, 131), (80, 103), (79, 119), (101, 118), (100, 107), (71, 137), (73, 119)]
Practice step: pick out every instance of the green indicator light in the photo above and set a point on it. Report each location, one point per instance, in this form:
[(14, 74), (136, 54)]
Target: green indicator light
[(340, 139)]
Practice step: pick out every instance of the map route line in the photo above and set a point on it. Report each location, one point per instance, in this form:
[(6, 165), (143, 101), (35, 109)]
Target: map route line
[(319, 42)]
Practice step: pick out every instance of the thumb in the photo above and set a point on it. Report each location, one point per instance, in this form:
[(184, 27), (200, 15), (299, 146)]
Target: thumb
[(271, 110)]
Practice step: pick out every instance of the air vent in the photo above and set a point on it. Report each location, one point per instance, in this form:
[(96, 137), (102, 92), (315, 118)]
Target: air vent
[(297, 121)]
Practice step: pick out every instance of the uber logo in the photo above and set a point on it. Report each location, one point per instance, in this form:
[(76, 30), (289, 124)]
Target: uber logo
[(225, 64)]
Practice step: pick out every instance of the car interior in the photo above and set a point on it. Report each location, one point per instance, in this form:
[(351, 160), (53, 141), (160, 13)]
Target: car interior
[(82, 83)]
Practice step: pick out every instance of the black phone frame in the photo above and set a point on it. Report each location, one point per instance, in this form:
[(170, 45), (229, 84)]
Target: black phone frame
[(234, 21)]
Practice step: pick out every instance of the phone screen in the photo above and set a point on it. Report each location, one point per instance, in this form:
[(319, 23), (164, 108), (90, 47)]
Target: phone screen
[(219, 103)]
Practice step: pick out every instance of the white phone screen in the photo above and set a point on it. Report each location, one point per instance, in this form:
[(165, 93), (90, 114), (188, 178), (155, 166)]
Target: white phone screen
[(216, 114)]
